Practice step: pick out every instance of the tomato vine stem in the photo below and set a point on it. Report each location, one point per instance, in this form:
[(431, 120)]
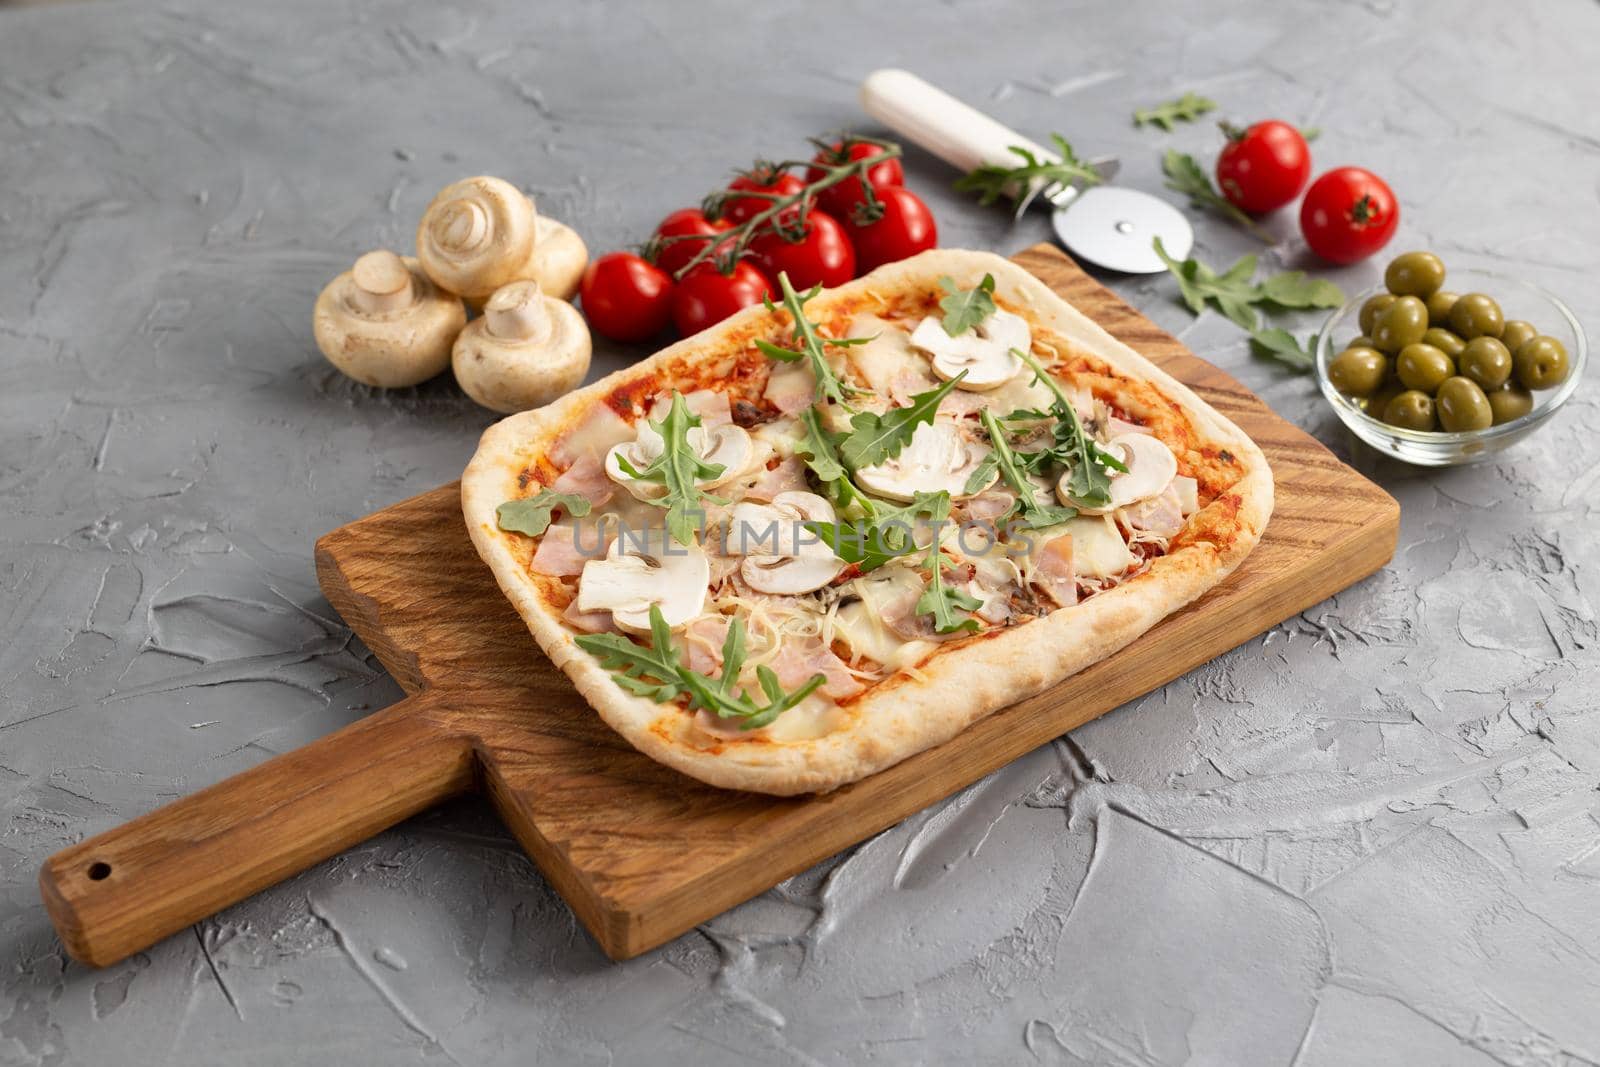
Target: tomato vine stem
[(730, 244)]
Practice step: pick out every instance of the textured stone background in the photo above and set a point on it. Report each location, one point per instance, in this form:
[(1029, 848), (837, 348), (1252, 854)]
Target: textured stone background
[(1368, 836)]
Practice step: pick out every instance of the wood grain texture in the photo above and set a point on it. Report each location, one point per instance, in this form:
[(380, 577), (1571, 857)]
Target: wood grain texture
[(641, 852)]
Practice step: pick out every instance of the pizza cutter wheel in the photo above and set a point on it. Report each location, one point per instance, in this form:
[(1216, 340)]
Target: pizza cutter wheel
[(1109, 226)]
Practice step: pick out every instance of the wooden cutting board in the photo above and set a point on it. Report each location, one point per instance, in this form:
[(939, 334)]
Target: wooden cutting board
[(641, 852)]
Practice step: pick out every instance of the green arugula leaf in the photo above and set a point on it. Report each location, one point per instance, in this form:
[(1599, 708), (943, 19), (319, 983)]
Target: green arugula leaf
[(865, 544), (1184, 175), (813, 345), (679, 470), (1186, 108), (965, 308), (1087, 483), (886, 533), (1237, 295), (1035, 515), (900, 518), (1233, 293), (1280, 344), (943, 601), (531, 515), (820, 447), (874, 438), (1031, 177), (981, 474), (658, 673), (1297, 289)]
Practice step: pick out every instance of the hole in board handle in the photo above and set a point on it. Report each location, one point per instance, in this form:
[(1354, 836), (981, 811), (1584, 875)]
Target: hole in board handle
[(99, 871)]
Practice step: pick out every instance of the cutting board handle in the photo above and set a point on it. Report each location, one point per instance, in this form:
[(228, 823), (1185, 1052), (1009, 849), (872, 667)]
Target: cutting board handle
[(927, 116), (127, 888)]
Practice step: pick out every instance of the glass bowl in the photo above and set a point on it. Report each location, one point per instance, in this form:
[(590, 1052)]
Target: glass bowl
[(1518, 300)]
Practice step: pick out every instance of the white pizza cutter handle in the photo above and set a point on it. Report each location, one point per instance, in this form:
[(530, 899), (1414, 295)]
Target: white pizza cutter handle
[(927, 116)]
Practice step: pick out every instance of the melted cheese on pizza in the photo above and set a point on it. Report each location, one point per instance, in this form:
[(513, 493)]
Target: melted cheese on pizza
[(807, 610)]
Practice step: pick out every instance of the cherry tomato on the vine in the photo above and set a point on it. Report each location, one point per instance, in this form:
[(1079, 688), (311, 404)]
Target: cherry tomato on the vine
[(1348, 214), (706, 296), (688, 222), (905, 228), (626, 298), (823, 256), (737, 209), (840, 200), (1263, 167)]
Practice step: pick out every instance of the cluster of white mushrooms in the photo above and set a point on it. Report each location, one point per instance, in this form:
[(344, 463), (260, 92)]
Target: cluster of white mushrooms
[(393, 321)]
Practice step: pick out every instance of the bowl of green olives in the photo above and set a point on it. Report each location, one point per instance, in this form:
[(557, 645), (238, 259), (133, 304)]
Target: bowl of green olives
[(1440, 371)]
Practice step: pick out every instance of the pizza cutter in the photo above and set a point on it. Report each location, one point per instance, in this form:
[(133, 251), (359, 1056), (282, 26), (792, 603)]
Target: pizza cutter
[(1109, 226)]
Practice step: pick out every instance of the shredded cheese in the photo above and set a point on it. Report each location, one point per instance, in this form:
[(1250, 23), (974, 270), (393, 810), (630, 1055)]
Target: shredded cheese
[(865, 618)]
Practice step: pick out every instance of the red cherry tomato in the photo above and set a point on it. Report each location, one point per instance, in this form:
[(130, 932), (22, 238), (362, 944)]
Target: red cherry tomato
[(840, 200), (705, 296), (1264, 167), (824, 256), (1348, 214), (905, 228), (685, 222), (762, 179), (626, 298)]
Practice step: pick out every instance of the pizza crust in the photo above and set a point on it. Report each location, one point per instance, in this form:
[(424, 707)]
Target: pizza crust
[(902, 715)]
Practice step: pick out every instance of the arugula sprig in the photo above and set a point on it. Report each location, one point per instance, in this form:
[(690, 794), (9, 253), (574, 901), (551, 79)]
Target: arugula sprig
[(678, 469), (659, 673), (1281, 345), (1233, 292), (965, 308), (866, 544), (1031, 177), (1187, 108), (1034, 514), (1088, 482), (886, 531), (531, 515), (819, 446), (813, 345), (1237, 295), (1185, 175), (874, 438), (940, 599)]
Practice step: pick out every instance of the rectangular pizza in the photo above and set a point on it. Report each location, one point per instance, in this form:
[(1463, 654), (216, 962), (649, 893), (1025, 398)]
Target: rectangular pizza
[(827, 534)]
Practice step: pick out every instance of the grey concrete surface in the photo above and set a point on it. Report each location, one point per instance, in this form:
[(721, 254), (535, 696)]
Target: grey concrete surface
[(1369, 836)]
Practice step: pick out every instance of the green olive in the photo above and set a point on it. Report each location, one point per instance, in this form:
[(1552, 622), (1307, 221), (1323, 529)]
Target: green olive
[(1541, 363), (1414, 274), (1517, 333), (1439, 305), (1358, 371), (1421, 366), (1463, 406), (1412, 409), (1370, 309), (1476, 315), (1360, 340), (1401, 323), (1487, 361), (1378, 401), (1444, 341), (1510, 401)]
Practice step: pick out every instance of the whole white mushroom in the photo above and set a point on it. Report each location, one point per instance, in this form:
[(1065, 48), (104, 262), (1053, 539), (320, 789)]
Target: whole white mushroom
[(526, 350), (384, 323), (482, 233)]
